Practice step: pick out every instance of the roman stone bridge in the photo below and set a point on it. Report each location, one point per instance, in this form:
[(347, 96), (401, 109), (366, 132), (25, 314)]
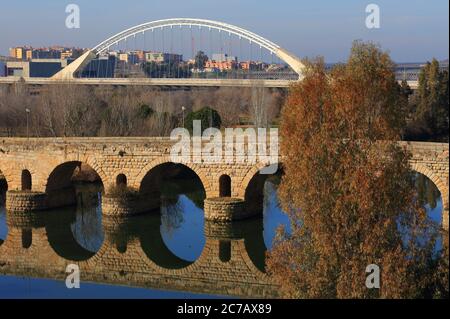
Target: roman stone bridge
[(39, 171)]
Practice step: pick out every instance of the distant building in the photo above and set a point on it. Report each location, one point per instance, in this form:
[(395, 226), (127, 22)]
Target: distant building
[(223, 57), (159, 57), (138, 56), (102, 67), (28, 53), (45, 68), (123, 57), (41, 68), (2, 69), (66, 54), (248, 65), (18, 69), (135, 57), (221, 66), (17, 53), (47, 54)]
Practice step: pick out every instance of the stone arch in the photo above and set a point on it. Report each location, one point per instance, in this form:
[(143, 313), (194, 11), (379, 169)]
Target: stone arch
[(13, 174), (424, 170), (59, 184), (26, 180), (248, 177), (121, 180), (136, 183), (252, 188), (3, 188), (225, 186)]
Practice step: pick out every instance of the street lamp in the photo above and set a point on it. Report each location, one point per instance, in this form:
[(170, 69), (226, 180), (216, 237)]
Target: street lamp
[(182, 110), (27, 110)]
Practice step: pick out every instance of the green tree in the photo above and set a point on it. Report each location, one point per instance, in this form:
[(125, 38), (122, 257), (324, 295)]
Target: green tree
[(171, 69), (348, 188), (200, 60), (429, 105), (144, 111), (208, 117)]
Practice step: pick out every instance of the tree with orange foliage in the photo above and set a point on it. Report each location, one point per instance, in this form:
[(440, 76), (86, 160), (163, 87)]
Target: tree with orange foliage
[(348, 188)]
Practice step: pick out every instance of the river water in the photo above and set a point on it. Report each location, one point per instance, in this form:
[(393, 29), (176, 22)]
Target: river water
[(170, 253)]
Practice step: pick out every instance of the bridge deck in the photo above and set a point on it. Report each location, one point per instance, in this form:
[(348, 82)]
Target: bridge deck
[(162, 82)]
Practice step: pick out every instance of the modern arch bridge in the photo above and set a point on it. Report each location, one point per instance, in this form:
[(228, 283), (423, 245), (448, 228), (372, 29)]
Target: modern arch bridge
[(38, 172), (293, 62), (71, 73)]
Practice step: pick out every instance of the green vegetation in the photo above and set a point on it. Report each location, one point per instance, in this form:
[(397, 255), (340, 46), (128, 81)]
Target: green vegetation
[(429, 105), (208, 117), (172, 69)]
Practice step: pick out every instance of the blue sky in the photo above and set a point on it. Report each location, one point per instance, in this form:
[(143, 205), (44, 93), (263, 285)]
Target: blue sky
[(412, 30)]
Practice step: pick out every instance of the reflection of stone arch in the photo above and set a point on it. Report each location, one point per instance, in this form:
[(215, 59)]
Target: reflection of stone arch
[(239, 262), (424, 170), (136, 182), (61, 238), (134, 255)]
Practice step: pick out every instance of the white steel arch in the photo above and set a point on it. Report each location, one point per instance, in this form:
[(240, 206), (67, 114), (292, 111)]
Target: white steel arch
[(250, 36), (293, 61)]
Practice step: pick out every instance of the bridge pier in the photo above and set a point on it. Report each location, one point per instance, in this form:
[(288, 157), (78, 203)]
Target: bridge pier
[(25, 201), (128, 204), (226, 209)]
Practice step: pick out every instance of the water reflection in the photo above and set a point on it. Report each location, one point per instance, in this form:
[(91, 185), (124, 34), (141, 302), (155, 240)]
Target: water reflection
[(182, 218), (87, 226), (173, 238), (3, 227), (182, 224), (273, 215), (429, 197)]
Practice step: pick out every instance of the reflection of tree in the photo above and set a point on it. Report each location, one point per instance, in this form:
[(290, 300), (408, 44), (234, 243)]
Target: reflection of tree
[(270, 194), (427, 192), (87, 228), (191, 188), (171, 215)]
